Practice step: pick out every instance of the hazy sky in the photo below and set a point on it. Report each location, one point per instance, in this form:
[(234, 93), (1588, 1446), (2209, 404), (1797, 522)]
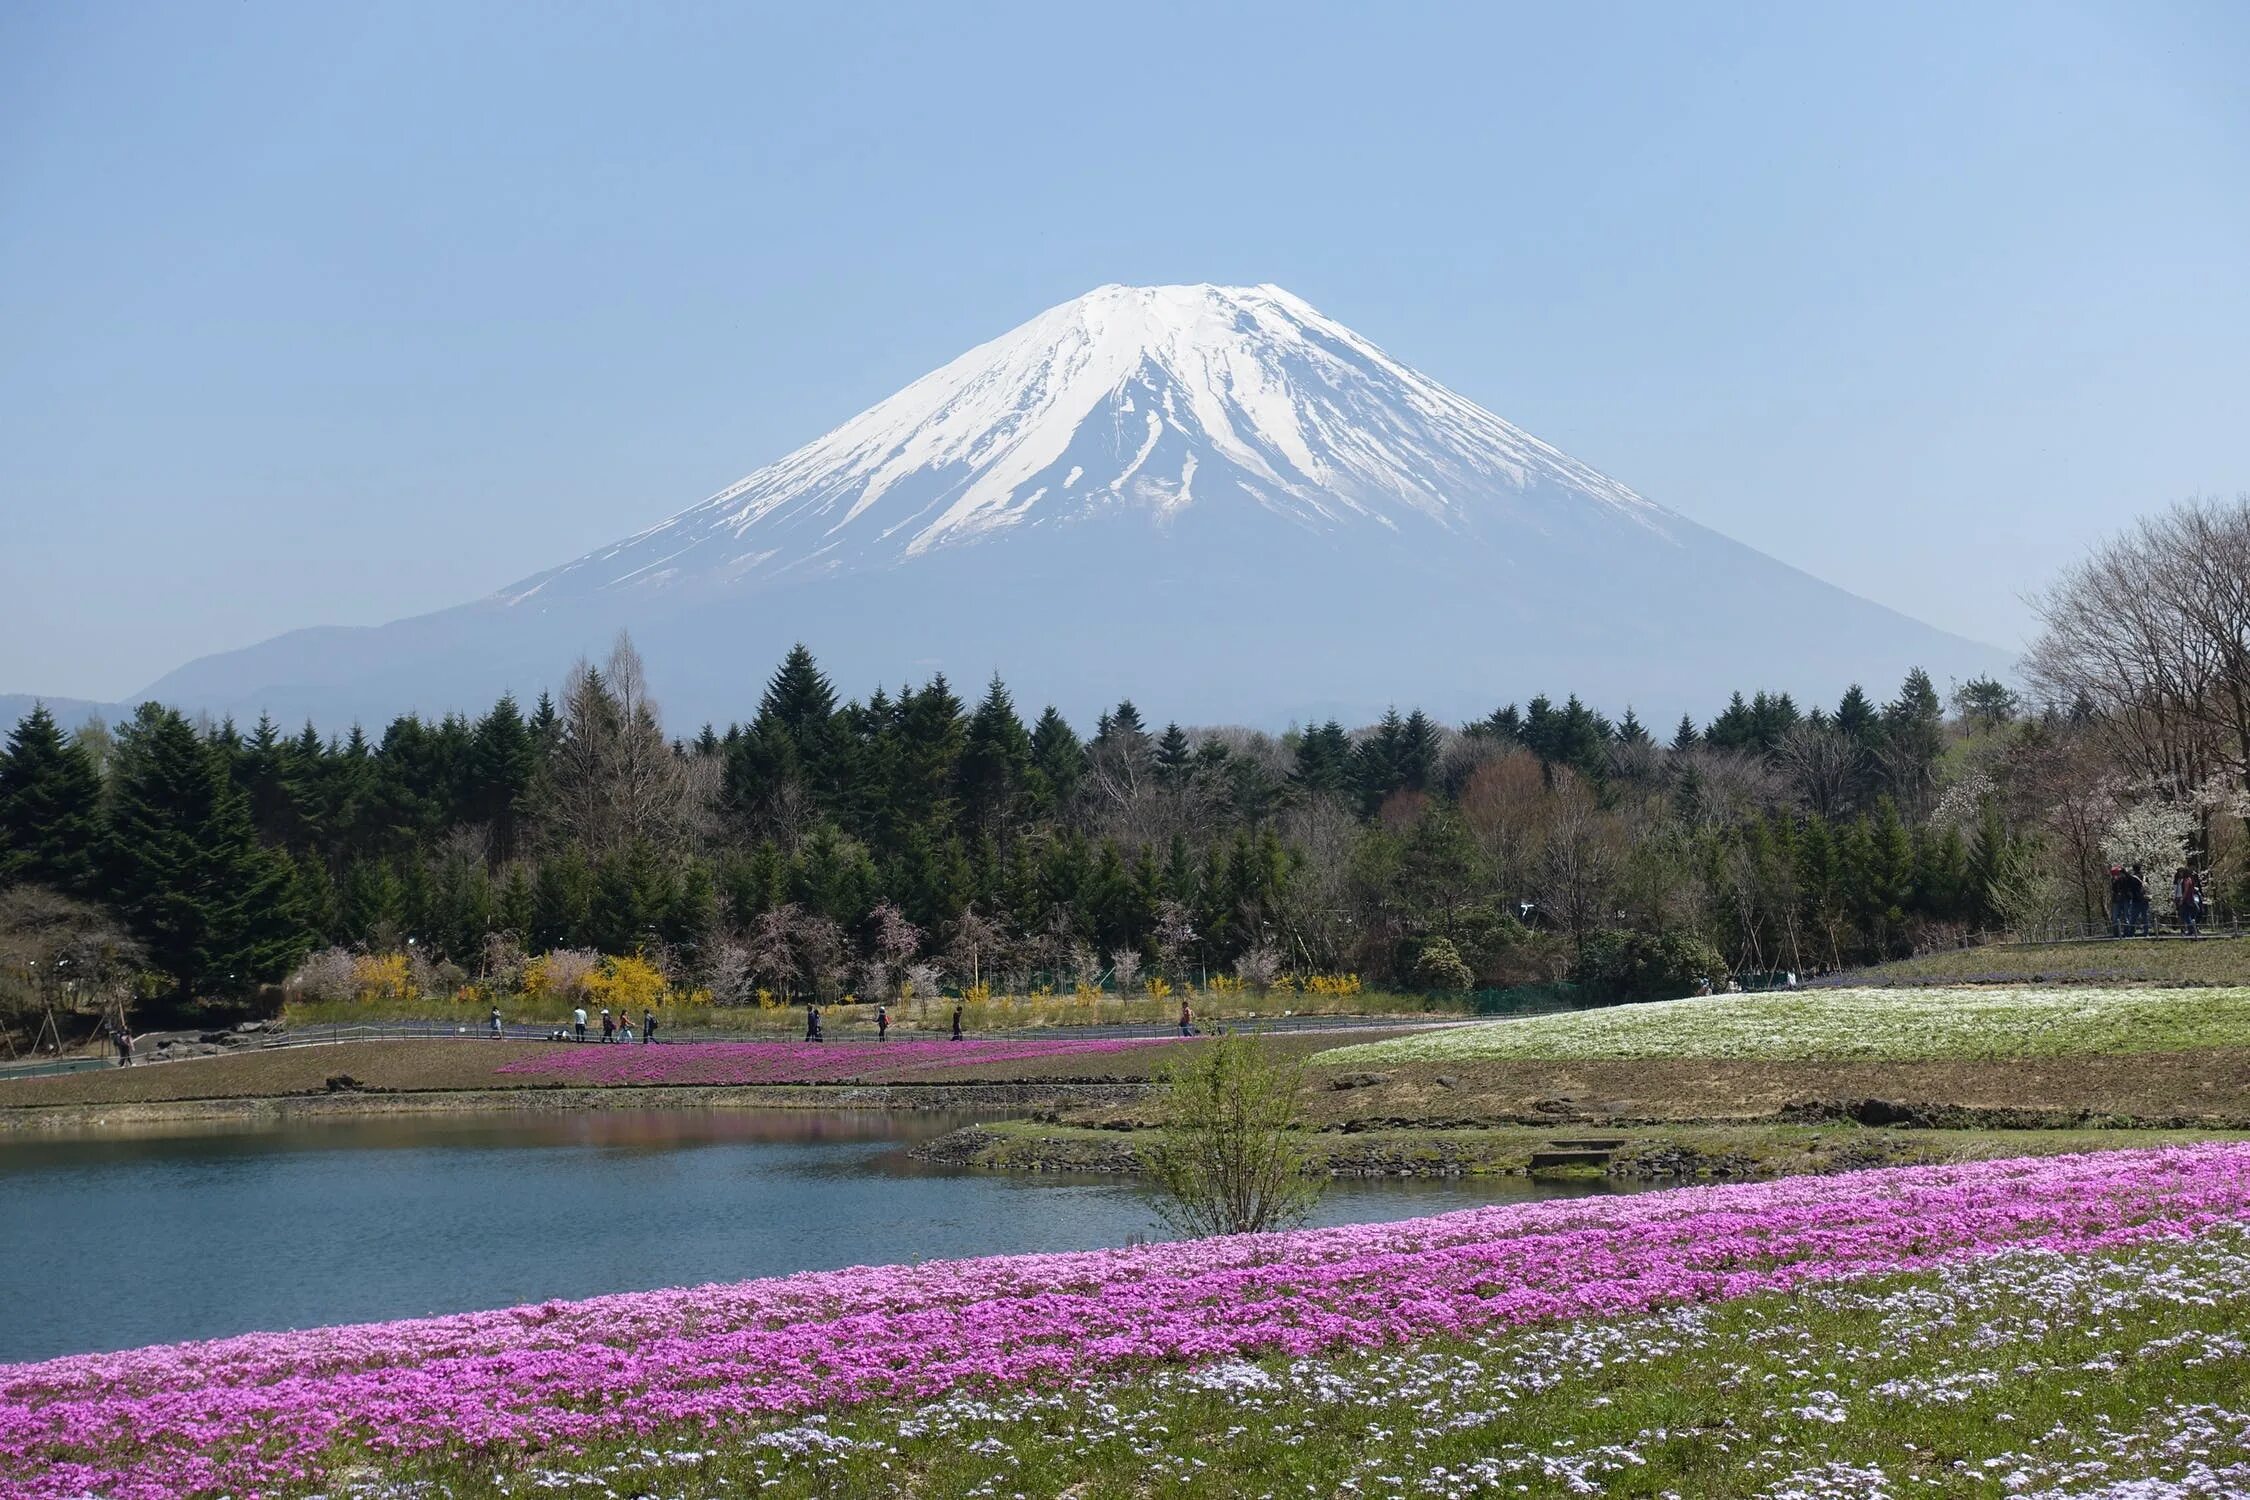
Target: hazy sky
[(319, 314)]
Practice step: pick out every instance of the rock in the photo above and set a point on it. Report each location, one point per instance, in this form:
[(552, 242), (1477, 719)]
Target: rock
[(1446, 1081), (1359, 1080), (344, 1083)]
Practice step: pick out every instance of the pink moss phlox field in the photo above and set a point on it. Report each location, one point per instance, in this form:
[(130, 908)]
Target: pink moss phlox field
[(797, 1062), (270, 1411)]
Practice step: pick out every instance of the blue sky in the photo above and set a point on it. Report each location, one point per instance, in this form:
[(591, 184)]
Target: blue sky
[(316, 314)]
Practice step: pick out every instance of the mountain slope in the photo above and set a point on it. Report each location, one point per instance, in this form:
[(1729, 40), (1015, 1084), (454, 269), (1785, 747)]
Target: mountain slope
[(1215, 499)]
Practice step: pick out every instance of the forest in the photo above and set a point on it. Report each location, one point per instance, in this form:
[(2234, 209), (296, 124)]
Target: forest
[(825, 846)]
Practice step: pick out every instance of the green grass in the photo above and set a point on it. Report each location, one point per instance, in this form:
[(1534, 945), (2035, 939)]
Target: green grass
[(2026, 1373), (2100, 961), (1688, 1151), (1851, 1025)]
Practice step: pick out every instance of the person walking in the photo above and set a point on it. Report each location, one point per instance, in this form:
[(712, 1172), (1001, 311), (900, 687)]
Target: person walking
[(609, 1027), (578, 1022), (2187, 899), (2120, 903), (812, 1021), (648, 1027), (2136, 891), (625, 1028), (496, 1023), (957, 1020), (1187, 1018), (124, 1041), (882, 1022)]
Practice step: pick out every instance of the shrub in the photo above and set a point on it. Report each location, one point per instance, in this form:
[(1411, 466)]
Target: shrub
[(382, 976), (1229, 1158), (629, 984), (1439, 966), (561, 974), (330, 974), (1646, 966)]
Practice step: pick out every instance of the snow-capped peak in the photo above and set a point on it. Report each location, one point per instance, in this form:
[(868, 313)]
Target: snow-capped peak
[(1154, 402)]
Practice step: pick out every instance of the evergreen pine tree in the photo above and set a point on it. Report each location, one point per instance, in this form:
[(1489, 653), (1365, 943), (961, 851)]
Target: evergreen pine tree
[(317, 909), (996, 758), (504, 762), (1323, 761), (50, 809), (1415, 757), (1857, 718), (1173, 756), (1686, 737), (1059, 761), (516, 910), (215, 910), (367, 906)]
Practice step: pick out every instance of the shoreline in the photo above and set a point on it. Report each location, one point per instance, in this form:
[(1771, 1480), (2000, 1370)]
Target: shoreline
[(1028, 1094)]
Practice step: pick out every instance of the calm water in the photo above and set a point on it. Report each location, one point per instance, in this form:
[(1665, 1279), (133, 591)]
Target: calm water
[(118, 1240)]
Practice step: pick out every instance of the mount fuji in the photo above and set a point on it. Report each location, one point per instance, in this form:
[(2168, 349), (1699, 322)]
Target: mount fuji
[(1215, 500)]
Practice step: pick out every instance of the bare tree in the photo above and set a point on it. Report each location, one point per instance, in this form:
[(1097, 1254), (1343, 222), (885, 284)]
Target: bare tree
[(976, 940), (2152, 634), (897, 943), (1174, 933), (614, 778), (1578, 864), (728, 972), (1826, 770), (1125, 971), (1258, 967)]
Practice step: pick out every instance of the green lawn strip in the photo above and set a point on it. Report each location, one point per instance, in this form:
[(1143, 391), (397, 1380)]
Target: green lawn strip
[(2024, 1373), (2098, 961), (1850, 1025), (1650, 1152)]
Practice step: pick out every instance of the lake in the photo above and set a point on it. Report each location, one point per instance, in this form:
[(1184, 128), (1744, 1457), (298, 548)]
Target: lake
[(114, 1240)]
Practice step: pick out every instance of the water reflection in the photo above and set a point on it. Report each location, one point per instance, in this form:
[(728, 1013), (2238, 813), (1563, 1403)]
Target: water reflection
[(196, 1232)]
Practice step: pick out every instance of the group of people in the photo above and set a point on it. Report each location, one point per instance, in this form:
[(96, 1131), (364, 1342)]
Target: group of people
[(814, 1033), (2130, 905), (618, 1028)]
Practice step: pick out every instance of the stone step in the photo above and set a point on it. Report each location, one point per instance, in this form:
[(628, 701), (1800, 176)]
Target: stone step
[(1543, 1159), (1588, 1143)]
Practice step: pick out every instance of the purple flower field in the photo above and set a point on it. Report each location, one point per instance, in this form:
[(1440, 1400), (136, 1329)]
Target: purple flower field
[(272, 1412), (796, 1062)]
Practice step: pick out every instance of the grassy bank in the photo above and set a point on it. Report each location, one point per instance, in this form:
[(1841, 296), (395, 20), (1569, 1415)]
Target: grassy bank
[(1885, 1025), (482, 1065), (1641, 1153), (2115, 1373), (2098, 961)]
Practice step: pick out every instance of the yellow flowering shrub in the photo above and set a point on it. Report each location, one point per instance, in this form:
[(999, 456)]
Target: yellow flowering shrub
[(977, 994), (1158, 987), (628, 983), (382, 976)]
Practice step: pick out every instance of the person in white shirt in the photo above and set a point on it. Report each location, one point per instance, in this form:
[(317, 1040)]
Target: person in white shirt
[(578, 1019)]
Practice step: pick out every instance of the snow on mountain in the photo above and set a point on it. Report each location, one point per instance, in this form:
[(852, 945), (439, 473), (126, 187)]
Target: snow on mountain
[(1215, 500), (1136, 400)]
